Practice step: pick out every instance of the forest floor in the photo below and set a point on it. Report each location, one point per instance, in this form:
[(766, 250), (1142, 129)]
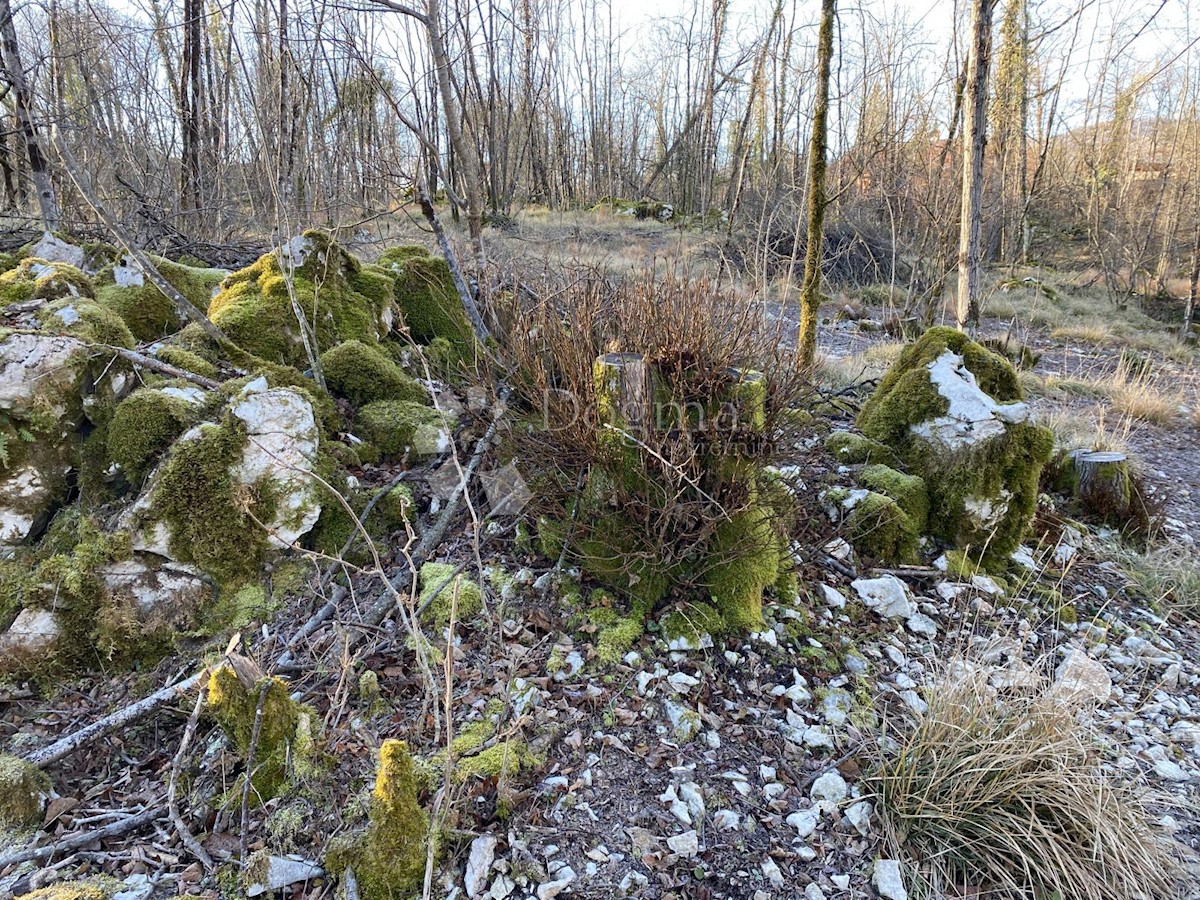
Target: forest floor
[(761, 793)]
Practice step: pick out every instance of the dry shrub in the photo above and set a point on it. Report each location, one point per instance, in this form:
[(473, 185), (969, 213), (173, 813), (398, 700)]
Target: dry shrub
[(673, 486), (1006, 796)]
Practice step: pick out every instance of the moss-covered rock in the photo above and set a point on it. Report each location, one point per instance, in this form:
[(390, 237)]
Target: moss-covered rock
[(470, 596), (363, 373), (149, 313), (428, 299), (182, 358), (340, 303), (86, 320), (94, 889), (396, 427), (908, 491), (744, 561), (23, 790), (37, 279), (850, 448), (388, 859), (952, 412), (146, 423), (880, 529)]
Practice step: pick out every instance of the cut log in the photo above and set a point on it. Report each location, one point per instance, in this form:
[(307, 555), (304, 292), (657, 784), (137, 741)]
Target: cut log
[(1102, 484), (624, 391)]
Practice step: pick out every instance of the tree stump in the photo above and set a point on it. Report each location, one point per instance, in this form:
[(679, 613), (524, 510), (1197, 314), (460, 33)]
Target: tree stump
[(624, 391), (1102, 484)]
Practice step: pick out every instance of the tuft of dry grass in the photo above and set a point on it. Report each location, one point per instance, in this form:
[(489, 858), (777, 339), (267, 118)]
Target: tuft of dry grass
[(1088, 430), (1133, 391), (844, 371), (1169, 575), (1006, 796), (1086, 333)]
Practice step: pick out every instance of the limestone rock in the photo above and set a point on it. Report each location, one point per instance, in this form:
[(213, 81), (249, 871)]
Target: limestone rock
[(28, 497), (53, 249), (888, 880), (479, 864), (39, 373), (34, 631), (1081, 681), (161, 594), (887, 595)]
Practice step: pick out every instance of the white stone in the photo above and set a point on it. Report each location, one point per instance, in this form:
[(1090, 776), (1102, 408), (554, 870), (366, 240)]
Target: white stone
[(501, 887), (479, 864), (192, 396), (1081, 681), (51, 249), (831, 786), (771, 872), (972, 415), (281, 444), (813, 892), (27, 497), (726, 820), (888, 880), (805, 821), (632, 883), (127, 274), (686, 845), (32, 631), (887, 595), (685, 722), (283, 871), (833, 597), (563, 879), (169, 590), (919, 623), (859, 815), (1170, 770)]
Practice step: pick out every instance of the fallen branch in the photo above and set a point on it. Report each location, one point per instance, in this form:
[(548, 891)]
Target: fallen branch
[(185, 835), (83, 839), (122, 717), (156, 365)]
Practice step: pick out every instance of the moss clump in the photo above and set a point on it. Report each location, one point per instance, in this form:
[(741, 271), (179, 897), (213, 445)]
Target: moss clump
[(907, 490), (879, 529), (149, 312), (186, 360), (233, 697), (984, 492), (208, 511), (397, 507), (144, 425), (23, 787), (503, 760), (745, 561), (691, 622), (396, 427), (616, 634), (470, 596), (86, 320), (254, 306), (425, 291), (388, 860), (37, 279), (363, 374), (850, 448)]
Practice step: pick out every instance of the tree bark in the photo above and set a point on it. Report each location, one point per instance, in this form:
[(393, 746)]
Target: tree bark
[(14, 69), (974, 138), (810, 287)]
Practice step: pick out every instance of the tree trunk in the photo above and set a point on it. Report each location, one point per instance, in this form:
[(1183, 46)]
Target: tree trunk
[(974, 138), (23, 107), (623, 381), (810, 288), (1189, 312), (1104, 489)]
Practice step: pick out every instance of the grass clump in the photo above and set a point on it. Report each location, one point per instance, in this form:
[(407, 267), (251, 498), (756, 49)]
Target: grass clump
[(1008, 795), (1168, 576)]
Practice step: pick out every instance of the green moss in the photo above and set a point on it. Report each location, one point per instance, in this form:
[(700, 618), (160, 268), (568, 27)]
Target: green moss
[(144, 425), (97, 889), (744, 560), (194, 339), (985, 493), (186, 360), (692, 622), (907, 490), (36, 279), (503, 760), (149, 313), (879, 529), (363, 374), (235, 707), (850, 448), (470, 596), (388, 860), (208, 511), (23, 787), (397, 507), (396, 427), (425, 291), (86, 320), (254, 306), (616, 634)]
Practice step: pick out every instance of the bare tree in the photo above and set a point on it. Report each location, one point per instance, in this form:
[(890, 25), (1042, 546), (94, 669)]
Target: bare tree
[(974, 140)]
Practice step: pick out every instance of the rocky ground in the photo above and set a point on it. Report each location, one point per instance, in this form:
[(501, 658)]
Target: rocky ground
[(730, 769)]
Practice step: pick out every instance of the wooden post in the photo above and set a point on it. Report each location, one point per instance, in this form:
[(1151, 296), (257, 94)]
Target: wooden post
[(624, 392)]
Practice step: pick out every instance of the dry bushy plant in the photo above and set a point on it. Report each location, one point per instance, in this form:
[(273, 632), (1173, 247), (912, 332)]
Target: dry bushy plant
[(674, 484), (1006, 796)]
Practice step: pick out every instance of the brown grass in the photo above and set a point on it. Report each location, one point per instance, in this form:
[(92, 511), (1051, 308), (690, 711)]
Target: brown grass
[(1007, 796), (1135, 392)]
